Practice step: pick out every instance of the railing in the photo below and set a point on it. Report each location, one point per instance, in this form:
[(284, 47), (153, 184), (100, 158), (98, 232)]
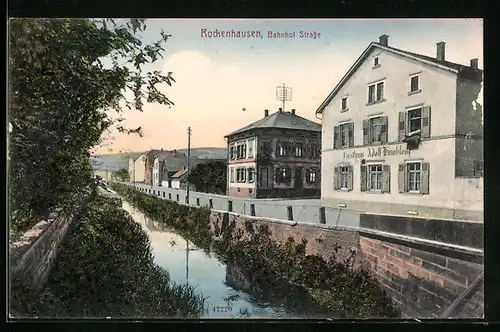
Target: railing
[(301, 210)]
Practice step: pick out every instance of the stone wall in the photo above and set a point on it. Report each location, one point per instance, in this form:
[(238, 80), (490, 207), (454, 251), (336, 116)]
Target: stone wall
[(32, 256), (422, 280)]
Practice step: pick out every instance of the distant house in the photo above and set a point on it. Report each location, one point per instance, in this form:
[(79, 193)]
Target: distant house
[(276, 156), (150, 159), (139, 168), (179, 179)]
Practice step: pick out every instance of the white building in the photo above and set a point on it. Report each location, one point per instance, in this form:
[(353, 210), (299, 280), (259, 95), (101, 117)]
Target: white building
[(140, 168), (131, 170), (156, 172), (403, 135)]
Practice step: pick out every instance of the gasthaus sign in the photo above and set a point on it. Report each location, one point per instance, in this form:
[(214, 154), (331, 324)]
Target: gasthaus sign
[(382, 151)]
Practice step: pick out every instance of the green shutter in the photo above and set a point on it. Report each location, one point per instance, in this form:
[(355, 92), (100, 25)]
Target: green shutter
[(424, 189), (402, 126), (402, 178), (336, 137), (363, 178), (349, 177), (383, 136), (426, 122), (351, 134), (386, 178), (366, 132)]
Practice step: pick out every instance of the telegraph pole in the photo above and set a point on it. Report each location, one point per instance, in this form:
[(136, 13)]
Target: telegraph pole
[(283, 94), (188, 157)]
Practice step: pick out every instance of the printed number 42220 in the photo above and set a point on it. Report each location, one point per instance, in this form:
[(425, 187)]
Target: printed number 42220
[(222, 309)]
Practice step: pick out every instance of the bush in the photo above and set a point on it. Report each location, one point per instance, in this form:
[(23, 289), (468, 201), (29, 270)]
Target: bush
[(106, 268)]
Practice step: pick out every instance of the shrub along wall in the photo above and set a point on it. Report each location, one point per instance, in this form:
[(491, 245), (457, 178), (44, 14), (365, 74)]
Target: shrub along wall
[(106, 268), (335, 285)]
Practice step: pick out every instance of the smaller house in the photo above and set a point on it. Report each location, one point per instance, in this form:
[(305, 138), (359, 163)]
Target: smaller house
[(179, 179)]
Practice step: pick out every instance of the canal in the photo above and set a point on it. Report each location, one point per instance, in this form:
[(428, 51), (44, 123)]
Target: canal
[(229, 292)]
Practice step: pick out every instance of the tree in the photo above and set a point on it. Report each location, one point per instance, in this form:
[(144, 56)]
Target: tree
[(122, 175), (67, 76), (209, 177)]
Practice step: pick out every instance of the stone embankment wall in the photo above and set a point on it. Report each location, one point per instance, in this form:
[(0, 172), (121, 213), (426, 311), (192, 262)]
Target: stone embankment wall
[(32, 254), (423, 280)]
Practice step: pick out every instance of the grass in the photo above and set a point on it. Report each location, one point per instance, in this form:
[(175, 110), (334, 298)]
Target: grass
[(105, 268)]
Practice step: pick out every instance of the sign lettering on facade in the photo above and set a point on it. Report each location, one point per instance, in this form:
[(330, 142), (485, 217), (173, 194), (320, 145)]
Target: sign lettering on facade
[(377, 152)]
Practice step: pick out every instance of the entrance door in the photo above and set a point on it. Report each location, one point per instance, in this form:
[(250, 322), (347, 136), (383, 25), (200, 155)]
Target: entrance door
[(298, 180), (264, 177)]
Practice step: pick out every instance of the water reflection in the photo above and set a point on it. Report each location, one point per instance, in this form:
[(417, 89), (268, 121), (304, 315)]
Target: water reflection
[(231, 292)]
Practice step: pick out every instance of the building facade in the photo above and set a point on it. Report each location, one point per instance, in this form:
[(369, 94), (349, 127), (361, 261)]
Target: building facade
[(140, 168), (403, 135), (277, 156), (131, 170)]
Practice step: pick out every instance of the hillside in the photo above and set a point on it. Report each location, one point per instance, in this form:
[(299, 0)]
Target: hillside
[(114, 162)]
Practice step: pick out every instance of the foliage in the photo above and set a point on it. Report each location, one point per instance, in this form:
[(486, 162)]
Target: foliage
[(67, 77), (122, 175), (106, 268), (335, 286), (209, 177)]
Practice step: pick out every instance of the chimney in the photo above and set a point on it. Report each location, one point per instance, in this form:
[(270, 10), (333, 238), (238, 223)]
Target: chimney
[(280, 110), (440, 51), (266, 113), (293, 111), (474, 63), (384, 40)]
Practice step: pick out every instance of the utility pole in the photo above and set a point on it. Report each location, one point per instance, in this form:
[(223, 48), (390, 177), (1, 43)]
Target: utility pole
[(283, 94), (187, 262), (188, 157)]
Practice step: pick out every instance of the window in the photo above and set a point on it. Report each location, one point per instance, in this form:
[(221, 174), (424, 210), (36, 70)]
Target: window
[(343, 135), (414, 177), (266, 148), (281, 149), (414, 83), (375, 130), (241, 150), (344, 103), (232, 152), (343, 178), (298, 150), (231, 175), (375, 61), (283, 175), (251, 175), (375, 177), (478, 168), (311, 175), (375, 92), (250, 148), (240, 175), (413, 120)]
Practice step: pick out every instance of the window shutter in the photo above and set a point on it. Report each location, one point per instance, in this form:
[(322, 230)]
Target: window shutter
[(366, 131), (363, 178), (402, 178), (308, 175), (386, 178), (289, 148), (426, 122), (336, 137), (349, 177), (351, 134), (336, 178), (402, 126), (424, 189), (277, 175), (383, 134)]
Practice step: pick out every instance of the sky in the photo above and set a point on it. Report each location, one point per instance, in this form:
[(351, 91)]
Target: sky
[(216, 78)]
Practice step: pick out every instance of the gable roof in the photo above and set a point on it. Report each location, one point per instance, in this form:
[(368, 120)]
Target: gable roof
[(283, 120), (460, 70), (180, 173)]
